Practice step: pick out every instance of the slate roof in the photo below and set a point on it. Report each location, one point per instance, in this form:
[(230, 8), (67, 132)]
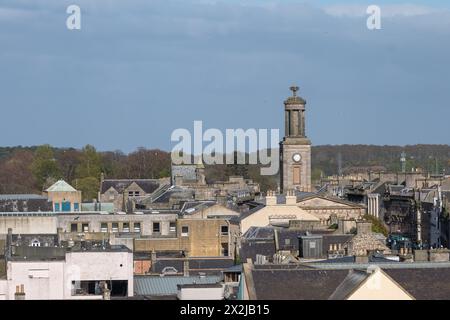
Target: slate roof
[(259, 233), (211, 266), (22, 197), (351, 259), (166, 286), (148, 185), (45, 240), (249, 249), (262, 238), (181, 192), (160, 264), (353, 280), (190, 207), (296, 284), (423, 283), (334, 239), (212, 263), (253, 207)]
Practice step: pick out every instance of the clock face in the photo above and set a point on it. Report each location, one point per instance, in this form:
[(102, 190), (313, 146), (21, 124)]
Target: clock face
[(296, 157)]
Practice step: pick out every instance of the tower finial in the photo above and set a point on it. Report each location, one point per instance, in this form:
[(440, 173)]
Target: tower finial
[(294, 90)]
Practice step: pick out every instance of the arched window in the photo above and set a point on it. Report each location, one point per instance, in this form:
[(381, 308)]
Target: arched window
[(35, 243)]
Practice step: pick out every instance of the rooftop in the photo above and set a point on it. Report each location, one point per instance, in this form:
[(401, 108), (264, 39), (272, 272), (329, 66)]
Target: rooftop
[(61, 186), (148, 185), (298, 282), (22, 197), (167, 285)]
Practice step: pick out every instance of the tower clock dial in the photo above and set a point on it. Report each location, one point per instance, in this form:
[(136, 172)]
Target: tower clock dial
[(296, 157)]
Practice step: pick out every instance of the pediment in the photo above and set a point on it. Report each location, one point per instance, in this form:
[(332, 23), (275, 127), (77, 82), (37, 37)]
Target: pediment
[(318, 201)]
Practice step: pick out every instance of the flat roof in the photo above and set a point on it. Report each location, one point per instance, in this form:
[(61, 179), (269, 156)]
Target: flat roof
[(22, 197)]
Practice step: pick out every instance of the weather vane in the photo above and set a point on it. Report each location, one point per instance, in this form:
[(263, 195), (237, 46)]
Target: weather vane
[(294, 90)]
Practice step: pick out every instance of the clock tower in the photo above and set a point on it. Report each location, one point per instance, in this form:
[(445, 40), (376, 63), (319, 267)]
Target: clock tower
[(295, 149)]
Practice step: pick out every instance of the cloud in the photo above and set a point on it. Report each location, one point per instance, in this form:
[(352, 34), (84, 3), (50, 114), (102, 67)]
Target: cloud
[(145, 67)]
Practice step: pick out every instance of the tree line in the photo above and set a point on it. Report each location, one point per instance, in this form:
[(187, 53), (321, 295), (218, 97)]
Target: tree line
[(33, 169)]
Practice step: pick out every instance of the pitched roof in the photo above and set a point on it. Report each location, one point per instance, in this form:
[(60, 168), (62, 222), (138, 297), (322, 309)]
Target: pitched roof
[(250, 248), (148, 185), (423, 283), (356, 279), (296, 284), (352, 282), (61, 186)]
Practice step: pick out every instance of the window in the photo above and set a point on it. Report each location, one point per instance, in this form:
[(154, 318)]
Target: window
[(156, 227), (126, 227), (137, 227), (224, 230), (76, 207), (224, 249), (296, 174), (184, 231), (130, 193), (136, 193), (115, 227), (104, 227), (172, 227), (57, 208), (85, 227), (73, 227)]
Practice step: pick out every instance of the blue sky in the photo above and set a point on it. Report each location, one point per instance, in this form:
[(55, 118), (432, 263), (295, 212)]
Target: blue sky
[(139, 69)]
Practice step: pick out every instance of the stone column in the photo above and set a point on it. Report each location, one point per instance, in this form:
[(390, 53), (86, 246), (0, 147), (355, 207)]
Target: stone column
[(302, 123), (286, 123)]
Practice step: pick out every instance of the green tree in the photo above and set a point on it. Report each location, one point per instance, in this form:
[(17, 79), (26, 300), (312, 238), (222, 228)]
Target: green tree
[(88, 186), (44, 166), (90, 164), (377, 225)]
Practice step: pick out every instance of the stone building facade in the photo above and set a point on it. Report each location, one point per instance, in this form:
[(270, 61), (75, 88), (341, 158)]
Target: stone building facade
[(295, 149), (194, 237)]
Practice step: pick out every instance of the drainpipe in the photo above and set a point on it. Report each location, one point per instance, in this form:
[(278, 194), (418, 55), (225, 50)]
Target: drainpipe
[(419, 221), (229, 237), (277, 247), (9, 244)]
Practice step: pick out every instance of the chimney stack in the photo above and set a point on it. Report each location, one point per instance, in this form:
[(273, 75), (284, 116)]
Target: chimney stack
[(291, 198), (362, 259), (363, 227), (271, 198), (106, 293), (20, 293)]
